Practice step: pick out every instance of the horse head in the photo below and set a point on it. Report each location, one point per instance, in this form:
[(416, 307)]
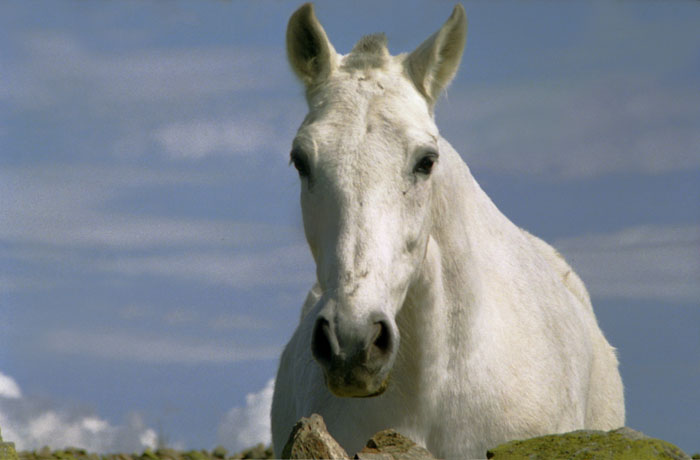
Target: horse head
[(367, 156)]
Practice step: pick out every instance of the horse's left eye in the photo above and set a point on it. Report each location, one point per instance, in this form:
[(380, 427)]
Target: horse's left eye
[(298, 159), (425, 164)]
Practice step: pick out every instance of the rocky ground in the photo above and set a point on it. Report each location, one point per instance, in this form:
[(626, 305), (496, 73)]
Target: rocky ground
[(218, 453), (310, 439)]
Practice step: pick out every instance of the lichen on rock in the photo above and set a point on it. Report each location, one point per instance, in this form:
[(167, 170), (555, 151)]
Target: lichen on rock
[(621, 444)]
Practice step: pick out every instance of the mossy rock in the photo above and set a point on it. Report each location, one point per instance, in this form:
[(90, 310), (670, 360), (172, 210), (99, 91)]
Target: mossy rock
[(620, 444)]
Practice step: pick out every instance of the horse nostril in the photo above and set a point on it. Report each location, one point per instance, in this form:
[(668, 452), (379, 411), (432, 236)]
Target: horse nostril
[(382, 340), (321, 347)]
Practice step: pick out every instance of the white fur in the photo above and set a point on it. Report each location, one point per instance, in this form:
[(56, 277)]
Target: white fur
[(498, 339)]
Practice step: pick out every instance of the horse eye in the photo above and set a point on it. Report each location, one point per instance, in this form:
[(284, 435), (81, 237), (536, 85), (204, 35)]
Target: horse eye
[(298, 159), (425, 164)]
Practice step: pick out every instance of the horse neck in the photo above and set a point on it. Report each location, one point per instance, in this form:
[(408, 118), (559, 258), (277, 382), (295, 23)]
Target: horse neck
[(468, 229), (441, 314)]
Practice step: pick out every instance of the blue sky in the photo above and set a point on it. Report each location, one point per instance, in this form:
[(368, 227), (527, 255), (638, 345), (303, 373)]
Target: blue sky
[(152, 262)]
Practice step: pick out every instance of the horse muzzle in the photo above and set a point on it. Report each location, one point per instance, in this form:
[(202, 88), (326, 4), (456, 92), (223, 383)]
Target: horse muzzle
[(356, 358)]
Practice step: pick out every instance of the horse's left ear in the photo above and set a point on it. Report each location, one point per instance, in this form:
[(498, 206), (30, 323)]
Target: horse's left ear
[(309, 51), (434, 63)]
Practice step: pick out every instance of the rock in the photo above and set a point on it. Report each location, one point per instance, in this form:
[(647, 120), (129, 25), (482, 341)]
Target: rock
[(621, 444), (310, 439), (392, 445)]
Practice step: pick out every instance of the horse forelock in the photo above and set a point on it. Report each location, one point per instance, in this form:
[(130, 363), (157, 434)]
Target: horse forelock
[(369, 52)]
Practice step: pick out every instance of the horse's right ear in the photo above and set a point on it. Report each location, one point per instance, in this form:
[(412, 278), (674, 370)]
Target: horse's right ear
[(434, 63), (309, 51)]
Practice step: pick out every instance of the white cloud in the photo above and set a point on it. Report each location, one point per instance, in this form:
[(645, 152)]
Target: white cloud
[(58, 67), (230, 321), (221, 322), (31, 424), (286, 266), (246, 426), (135, 348), (56, 217), (9, 388), (646, 262), (199, 138), (64, 206)]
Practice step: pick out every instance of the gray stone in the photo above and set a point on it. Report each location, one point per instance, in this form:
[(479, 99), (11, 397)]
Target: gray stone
[(392, 445), (310, 439)]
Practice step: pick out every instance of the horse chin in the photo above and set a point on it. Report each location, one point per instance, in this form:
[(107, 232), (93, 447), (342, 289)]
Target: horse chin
[(355, 391)]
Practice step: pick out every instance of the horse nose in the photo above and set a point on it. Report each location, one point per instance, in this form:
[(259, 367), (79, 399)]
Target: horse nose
[(366, 348), (324, 343), (354, 358)]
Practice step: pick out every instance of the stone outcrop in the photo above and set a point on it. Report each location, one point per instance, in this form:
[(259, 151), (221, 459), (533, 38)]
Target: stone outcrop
[(310, 439), (392, 445), (621, 444)]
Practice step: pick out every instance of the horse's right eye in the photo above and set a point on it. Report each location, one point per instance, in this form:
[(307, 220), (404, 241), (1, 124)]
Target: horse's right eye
[(300, 162), (425, 164)]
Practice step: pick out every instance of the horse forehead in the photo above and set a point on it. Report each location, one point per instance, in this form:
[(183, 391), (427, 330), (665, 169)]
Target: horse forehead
[(364, 108)]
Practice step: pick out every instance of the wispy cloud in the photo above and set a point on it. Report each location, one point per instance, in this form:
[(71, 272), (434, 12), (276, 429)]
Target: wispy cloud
[(187, 315), (59, 217), (285, 266), (619, 95), (576, 128), (199, 138), (143, 95), (32, 423), (647, 262), (68, 207), (134, 348), (227, 322), (58, 66)]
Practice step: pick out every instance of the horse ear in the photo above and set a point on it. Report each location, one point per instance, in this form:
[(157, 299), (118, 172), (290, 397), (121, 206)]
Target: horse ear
[(309, 51), (434, 63)]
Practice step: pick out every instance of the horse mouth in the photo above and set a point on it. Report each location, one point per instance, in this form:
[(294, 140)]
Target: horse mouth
[(380, 391), (354, 388)]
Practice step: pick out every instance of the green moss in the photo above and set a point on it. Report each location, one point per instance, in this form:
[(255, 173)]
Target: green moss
[(588, 445)]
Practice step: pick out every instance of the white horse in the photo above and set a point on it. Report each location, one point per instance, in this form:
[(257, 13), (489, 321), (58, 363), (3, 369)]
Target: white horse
[(432, 314)]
